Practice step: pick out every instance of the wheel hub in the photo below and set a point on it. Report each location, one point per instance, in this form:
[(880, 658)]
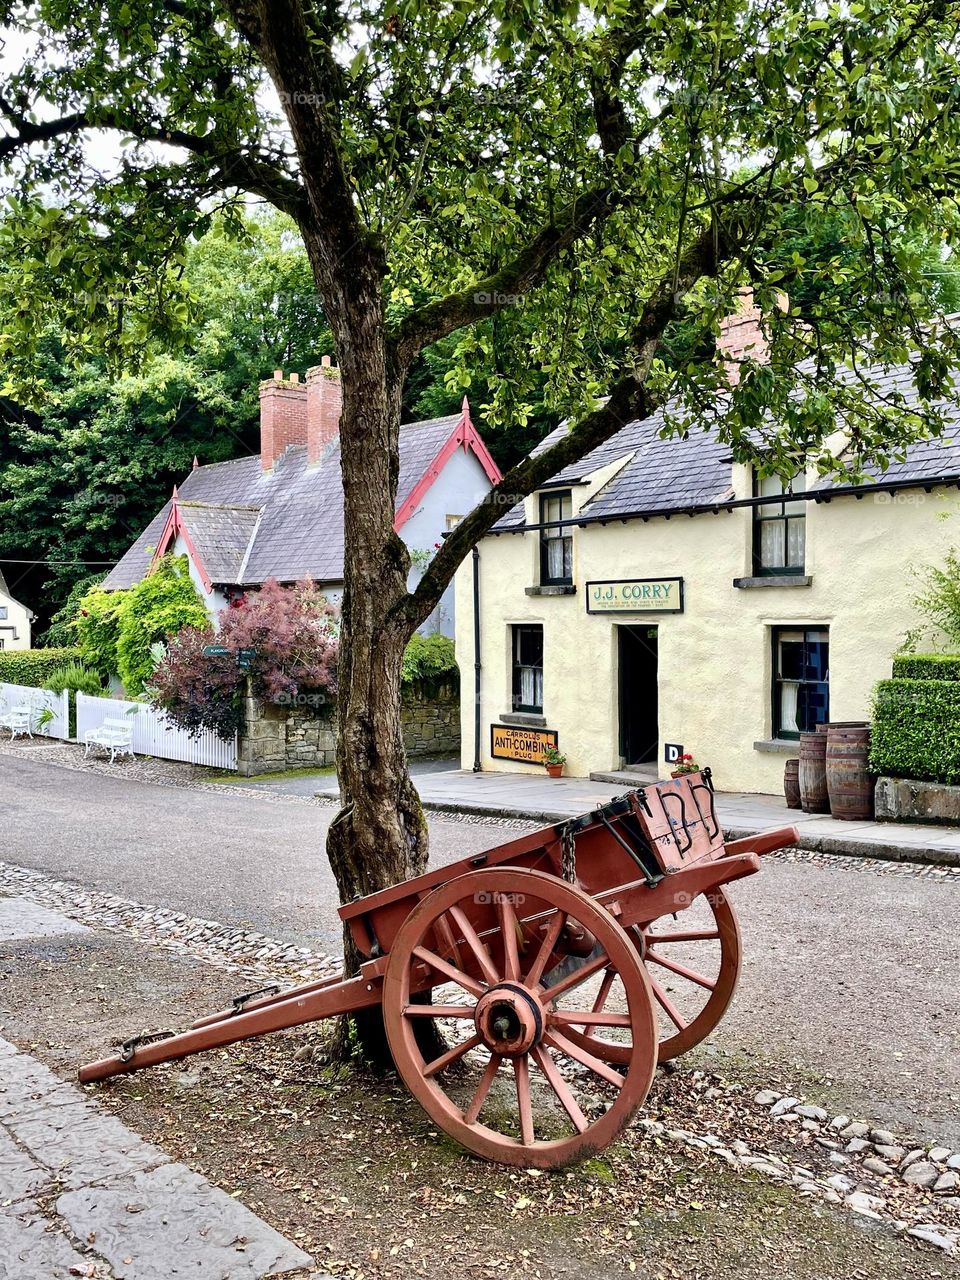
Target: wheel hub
[(509, 1019)]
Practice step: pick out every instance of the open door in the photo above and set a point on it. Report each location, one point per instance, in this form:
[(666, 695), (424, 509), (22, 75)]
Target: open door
[(639, 716)]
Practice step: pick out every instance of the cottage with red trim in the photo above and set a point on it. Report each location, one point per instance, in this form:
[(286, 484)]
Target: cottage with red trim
[(279, 514)]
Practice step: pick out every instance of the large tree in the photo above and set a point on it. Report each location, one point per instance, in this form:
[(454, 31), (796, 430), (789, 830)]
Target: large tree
[(594, 178)]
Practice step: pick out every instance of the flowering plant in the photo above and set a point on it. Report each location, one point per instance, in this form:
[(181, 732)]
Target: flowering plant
[(686, 764)]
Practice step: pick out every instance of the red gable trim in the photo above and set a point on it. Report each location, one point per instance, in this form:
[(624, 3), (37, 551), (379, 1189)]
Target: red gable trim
[(465, 436), (174, 526)]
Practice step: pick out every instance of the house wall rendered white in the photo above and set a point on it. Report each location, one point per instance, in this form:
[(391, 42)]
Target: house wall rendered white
[(459, 487), (15, 623), (715, 658)]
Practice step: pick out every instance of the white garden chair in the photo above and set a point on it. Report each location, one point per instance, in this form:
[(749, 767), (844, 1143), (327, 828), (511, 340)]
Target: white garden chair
[(19, 720)]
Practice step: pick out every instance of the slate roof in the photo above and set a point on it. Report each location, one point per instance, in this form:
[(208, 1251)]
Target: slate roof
[(695, 471), (292, 518), (221, 535)]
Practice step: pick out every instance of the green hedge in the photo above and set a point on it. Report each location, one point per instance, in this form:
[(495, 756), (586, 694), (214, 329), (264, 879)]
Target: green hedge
[(915, 730), (33, 666), (927, 666)]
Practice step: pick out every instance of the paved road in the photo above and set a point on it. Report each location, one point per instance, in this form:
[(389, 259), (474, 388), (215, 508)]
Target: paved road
[(850, 976)]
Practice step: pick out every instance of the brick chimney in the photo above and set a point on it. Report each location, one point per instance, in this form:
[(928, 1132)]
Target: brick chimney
[(741, 335), (324, 405), (283, 416)]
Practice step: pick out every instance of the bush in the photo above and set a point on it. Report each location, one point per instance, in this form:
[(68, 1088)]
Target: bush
[(157, 607), (428, 658), (33, 667), (195, 691), (77, 678), (62, 631), (295, 634), (940, 603), (97, 627), (927, 666), (915, 730)]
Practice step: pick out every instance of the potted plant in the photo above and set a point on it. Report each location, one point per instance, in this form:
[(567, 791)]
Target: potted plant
[(686, 764), (554, 761)]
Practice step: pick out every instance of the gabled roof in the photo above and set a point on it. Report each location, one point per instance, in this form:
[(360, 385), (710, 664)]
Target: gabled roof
[(246, 525), (694, 472)]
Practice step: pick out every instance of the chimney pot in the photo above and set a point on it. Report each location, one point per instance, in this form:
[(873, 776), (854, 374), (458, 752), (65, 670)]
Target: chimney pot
[(325, 362), (278, 375), (294, 377)]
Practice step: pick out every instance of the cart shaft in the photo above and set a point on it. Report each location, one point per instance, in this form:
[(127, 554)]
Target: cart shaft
[(344, 997)]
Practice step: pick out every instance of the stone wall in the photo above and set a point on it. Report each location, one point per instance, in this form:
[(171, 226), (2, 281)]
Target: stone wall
[(302, 734)]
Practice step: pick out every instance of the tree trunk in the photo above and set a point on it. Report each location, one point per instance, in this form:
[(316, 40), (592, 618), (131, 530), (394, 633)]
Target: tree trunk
[(379, 835)]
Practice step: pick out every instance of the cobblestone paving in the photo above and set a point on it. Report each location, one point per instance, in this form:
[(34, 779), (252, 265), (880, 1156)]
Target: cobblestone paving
[(82, 1195)]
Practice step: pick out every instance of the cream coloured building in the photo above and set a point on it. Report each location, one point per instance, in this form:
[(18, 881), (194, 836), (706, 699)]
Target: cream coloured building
[(655, 598), (15, 620)]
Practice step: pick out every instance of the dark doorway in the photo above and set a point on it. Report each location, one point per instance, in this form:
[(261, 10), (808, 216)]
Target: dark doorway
[(639, 720)]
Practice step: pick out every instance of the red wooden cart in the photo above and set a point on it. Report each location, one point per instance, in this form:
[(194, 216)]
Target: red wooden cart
[(557, 968)]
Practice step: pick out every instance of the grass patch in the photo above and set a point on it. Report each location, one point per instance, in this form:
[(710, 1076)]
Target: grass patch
[(243, 780)]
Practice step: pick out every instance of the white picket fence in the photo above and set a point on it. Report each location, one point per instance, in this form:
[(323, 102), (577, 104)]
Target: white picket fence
[(23, 695), (153, 735)]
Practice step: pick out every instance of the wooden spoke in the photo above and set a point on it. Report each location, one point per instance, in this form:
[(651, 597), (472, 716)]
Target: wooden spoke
[(455, 975), (688, 935), (601, 1069), (452, 1055), (508, 932), (535, 972), (579, 975), (691, 975), (512, 1024), (521, 1070), (590, 1018), (705, 1000), (606, 982), (483, 1088), (559, 1086), (477, 947), (667, 1004), (438, 1011)]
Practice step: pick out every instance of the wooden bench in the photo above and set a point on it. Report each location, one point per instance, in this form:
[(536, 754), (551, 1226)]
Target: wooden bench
[(114, 735)]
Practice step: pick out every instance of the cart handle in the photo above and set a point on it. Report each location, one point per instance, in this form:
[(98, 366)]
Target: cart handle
[(763, 842)]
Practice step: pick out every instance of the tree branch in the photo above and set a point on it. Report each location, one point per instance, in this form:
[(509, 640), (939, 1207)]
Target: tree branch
[(629, 400), (487, 296)]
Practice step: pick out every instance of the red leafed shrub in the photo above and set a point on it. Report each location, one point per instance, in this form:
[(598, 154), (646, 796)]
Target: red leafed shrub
[(195, 691), (294, 632)]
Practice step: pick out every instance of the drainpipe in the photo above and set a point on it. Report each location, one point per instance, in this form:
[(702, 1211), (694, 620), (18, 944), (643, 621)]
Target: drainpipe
[(477, 766)]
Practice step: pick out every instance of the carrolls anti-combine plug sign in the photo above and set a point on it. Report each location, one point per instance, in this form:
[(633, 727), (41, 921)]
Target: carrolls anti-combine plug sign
[(516, 742), (635, 595)]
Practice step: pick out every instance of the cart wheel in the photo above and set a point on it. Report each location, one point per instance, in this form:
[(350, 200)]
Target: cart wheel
[(491, 935), (693, 969)]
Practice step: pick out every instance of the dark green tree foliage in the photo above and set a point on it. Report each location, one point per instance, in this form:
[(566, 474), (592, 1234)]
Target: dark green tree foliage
[(83, 474)]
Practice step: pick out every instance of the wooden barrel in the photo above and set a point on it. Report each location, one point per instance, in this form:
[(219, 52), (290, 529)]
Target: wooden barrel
[(813, 773), (849, 783), (791, 783)]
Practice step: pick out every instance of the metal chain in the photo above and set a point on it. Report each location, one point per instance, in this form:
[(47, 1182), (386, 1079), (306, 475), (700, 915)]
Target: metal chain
[(568, 853)]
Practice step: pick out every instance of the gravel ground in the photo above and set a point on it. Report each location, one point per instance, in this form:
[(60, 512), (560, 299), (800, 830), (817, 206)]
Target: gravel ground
[(389, 1197), (849, 982)]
